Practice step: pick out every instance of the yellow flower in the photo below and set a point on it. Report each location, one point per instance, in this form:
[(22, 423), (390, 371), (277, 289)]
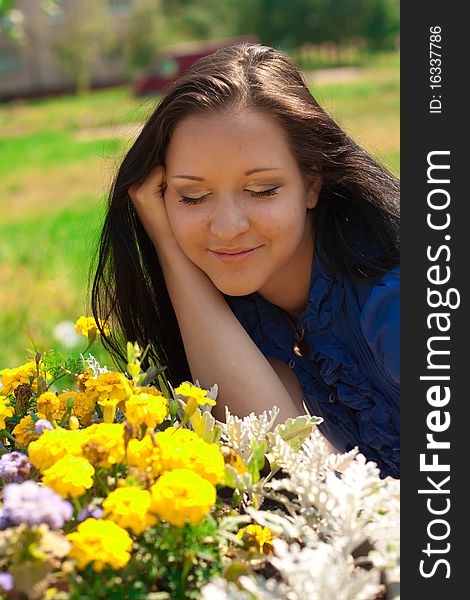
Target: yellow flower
[(24, 431), (87, 327), (101, 543), (128, 507), (49, 406), (142, 390), (104, 444), (176, 449), (83, 406), (109, 386), (12, 378), (182, 496), (144, 455), (260, 537), (146, 409), (70, 476), (5, 411), (184, 449), (147, 390), (192, 392), (52, 445)]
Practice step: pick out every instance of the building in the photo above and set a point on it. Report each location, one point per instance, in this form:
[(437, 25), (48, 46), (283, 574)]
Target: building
[(32, 67)]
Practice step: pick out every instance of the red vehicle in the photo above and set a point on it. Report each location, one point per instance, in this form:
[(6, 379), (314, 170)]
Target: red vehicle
[(173, 60)]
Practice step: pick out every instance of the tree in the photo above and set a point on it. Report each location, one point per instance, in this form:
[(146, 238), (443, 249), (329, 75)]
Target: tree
[(86, 32)]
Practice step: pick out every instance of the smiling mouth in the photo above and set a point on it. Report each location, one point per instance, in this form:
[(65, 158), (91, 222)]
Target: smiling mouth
[(234, 256)]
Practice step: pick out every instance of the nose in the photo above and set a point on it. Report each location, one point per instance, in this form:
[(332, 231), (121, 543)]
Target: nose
[(228, 220)]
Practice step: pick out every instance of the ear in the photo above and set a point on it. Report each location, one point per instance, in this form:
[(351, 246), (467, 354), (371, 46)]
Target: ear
[(313, 191)]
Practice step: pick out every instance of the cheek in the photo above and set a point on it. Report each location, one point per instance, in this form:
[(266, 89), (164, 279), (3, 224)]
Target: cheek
[(283, 220), (186, 225)]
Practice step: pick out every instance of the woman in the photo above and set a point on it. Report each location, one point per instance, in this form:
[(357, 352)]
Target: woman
[(254, 245)]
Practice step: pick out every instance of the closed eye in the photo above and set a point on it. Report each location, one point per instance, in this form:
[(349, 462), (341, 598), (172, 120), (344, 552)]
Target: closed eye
[(261, 194), (193, 201), (264, 193)]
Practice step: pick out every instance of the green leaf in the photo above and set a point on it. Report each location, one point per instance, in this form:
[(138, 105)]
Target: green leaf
[(256, 462), (296, 431), (235, 480)]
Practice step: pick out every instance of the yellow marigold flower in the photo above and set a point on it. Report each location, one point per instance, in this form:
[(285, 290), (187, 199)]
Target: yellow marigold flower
[(177, 436), (83, 406), (87, 327), (12, 378), (52, 445), (100, 542), (109, 386), (140, 390), (49, 406), (146, 409), (182, 496), (82, 378), (184, 449), (70, 476), (194, 393), (24, 431), (147, 390), (5, 411), (144, 455), (260, 537), (104, 444), (129, 507)]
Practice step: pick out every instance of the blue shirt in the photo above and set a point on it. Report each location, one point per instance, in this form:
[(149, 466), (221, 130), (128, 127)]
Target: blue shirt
[(351, 373)]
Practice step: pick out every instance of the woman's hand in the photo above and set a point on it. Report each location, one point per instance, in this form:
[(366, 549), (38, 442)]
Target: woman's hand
[(149, 202)]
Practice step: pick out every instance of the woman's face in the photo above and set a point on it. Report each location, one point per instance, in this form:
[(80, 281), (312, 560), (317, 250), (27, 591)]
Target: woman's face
[(237, 202)]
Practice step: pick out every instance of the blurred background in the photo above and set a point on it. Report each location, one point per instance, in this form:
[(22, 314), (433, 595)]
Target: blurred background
[(79, 77)]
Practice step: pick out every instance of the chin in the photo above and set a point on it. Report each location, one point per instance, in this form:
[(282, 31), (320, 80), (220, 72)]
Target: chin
[(230, 288)]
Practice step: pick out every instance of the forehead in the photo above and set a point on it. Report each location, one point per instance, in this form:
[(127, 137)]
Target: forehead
[(232, 138)]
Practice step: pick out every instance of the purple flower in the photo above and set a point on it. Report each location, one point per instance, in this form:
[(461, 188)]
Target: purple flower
[(41, 425), (90, 513), (6, 581), (33, 504), (14, 467)]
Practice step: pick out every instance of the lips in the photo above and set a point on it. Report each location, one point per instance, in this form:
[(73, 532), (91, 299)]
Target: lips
[(235, 254)]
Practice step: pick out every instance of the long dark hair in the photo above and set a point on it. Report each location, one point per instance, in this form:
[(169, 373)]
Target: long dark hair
[(358, 201)]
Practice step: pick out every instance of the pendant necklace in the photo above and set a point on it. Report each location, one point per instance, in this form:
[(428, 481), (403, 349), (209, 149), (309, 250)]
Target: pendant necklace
[(300, 346)]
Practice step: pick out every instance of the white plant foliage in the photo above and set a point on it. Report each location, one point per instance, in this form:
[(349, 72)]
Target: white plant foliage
[(337, 504), (280, 524), (354, 505), (319, 571), (221, 589), (240, 433), (92, 364), (306, 466)]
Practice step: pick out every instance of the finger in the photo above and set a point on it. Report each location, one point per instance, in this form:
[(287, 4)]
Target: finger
[(153, 184)]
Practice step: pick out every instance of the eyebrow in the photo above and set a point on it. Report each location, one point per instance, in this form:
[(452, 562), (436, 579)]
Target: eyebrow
[(249, 172)]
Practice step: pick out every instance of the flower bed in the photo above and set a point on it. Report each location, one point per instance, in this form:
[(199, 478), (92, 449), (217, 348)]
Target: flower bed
[(125, 487)]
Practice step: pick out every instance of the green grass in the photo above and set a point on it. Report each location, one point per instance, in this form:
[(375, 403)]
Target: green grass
[(46, 149), (45, 264), (54, 176)]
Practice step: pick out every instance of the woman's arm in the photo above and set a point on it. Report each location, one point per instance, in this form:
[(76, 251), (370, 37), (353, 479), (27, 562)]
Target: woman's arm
[(217, 347), (292, 385)]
